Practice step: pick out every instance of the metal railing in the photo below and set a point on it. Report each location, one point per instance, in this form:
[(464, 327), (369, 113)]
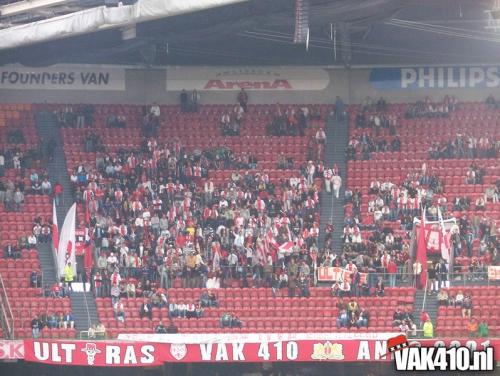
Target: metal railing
[(86, 306), (7, 315), (472, 278), (85, 334), (54, 259)]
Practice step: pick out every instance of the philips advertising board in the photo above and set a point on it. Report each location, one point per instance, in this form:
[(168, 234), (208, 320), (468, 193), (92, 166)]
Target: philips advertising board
[(418, 78)]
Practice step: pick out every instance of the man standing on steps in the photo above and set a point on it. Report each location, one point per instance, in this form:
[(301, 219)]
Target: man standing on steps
[(392, 270), (58, 190), (417, 270), (339, 109), (337, 183), (328, 175), (68, 275)]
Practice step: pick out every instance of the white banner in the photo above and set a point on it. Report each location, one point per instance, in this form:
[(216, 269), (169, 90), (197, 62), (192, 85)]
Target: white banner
[(248, 78), (63, 78), (66, 251)]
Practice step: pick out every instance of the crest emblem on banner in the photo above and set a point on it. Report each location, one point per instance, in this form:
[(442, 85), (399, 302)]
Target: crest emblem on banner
[(91, 350), (178, 350), (328, 351)]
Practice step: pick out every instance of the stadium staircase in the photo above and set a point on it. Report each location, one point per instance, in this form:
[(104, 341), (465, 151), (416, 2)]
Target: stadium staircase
[(83, 305), (332, 210), (431, 306)]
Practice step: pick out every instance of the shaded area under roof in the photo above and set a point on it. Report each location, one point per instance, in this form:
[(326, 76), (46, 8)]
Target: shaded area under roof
[(260, 32)]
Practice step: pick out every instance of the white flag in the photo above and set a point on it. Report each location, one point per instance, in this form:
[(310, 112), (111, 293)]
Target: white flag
[(66, 251), (445, 239)]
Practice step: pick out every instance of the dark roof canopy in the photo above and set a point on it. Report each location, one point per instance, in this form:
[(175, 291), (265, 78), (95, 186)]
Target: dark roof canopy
[(260, 32)]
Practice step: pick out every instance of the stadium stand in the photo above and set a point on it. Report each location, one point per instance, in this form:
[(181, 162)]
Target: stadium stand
[(25, 223)]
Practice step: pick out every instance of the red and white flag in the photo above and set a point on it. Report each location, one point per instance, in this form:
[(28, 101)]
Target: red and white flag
[(66, 247), (285, 248), (55, 228), (271, 240)]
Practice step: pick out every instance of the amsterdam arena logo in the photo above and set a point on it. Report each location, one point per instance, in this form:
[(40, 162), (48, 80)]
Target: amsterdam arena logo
[(328, 351)]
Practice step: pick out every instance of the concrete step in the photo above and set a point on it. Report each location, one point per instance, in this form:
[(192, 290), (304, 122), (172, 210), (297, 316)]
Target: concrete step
[(333, 209)]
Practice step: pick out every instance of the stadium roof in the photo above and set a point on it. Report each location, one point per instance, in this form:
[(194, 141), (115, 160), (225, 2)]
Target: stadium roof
[(260, 32)]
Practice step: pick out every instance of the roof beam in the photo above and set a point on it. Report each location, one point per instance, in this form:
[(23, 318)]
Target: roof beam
[(100, 18), (20, 7)]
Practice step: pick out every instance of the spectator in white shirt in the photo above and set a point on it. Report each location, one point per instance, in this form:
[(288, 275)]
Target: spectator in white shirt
[(155, 110), (32, 241), (46, 187)]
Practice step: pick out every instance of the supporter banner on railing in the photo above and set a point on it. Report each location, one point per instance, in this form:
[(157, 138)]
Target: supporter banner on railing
[(437, 235), (63, 78), (248, 78), (414, 78), (494, 273), (11, 350), (129, 354), (336, 274)]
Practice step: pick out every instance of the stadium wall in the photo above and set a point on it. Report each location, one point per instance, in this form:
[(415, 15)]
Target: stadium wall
[(112, 84)]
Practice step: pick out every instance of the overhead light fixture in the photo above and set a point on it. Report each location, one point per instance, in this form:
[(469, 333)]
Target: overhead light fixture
[(494, 16), (118, 3), (301, 35)]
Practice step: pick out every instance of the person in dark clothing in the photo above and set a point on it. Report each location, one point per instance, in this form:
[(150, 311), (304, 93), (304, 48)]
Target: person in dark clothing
[(441, 273), (431, 278), (49, 149), (36, 326), (184, 101), (146, 310), (243, 99), (160, 328), (11, 251), (172, 328)]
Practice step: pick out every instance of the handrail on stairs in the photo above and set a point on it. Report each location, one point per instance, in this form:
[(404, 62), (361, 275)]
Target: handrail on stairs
[(7, 315), (425, 296), (86, 305)]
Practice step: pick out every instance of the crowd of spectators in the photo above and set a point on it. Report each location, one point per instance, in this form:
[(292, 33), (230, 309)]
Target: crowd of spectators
[(189, 101), (361, 147), (474, 174), (13, 194), (404, 320), (51, 320), (378, 121), (464, 146), (352, 315), (355, 286), (156, 215), (18, 159), (290, 121), (93, 143), (464, 301), (81, 116), (370, 105), (230, 123), (477, 329), (426, 109), (116, 121)]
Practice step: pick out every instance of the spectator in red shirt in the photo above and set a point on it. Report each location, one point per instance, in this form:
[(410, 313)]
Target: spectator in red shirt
[(424, 316), (392, 269), (56, 290), (58, 190)]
